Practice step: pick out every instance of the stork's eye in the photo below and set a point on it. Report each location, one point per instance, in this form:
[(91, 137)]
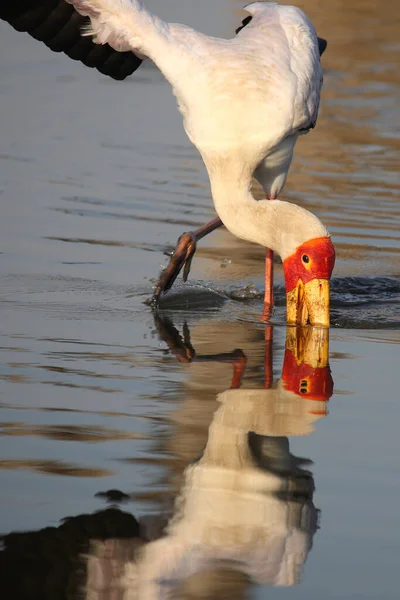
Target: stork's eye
[(305, 258)]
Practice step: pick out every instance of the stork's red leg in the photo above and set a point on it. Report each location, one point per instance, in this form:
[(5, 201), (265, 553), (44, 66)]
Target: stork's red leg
[(182, 257), (269, 285), (269, 278)]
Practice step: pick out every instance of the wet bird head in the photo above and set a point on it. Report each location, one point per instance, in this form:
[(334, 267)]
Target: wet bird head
[(307, 274)]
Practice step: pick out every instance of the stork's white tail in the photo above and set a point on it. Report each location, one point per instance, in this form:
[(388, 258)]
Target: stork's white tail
[(123, 24)]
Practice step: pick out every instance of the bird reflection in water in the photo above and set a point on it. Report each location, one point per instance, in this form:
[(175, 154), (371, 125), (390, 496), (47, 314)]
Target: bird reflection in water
[(244, 513), (247, 503)]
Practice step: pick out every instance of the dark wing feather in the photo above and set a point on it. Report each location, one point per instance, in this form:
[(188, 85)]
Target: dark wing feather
[(59, 26), (322, 44)]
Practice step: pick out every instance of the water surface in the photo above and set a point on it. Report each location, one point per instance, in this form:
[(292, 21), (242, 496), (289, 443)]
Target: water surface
[(97, 179)]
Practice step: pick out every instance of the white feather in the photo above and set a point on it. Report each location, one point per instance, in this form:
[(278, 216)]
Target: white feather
[(243, 100)]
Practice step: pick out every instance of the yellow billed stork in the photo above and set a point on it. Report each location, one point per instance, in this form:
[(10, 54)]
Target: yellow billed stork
[(244, 102)]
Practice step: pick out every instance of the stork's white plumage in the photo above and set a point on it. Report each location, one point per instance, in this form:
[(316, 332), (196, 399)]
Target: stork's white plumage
[(244, 103)]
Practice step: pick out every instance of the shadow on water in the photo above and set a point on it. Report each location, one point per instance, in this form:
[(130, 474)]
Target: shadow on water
[(243, 512)]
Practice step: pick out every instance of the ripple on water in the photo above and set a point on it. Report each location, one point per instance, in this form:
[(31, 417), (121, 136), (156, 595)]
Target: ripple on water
[(366, 303), (192, 297), (356, 302)]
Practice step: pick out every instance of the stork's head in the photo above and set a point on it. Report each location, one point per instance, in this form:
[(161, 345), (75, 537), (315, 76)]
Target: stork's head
[(307, 273), (308, 257)]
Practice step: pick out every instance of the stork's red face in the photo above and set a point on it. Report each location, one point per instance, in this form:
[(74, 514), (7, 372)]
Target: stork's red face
[(307, 274)]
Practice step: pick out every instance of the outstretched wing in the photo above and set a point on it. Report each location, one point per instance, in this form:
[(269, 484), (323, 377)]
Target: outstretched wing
[(59, 26)]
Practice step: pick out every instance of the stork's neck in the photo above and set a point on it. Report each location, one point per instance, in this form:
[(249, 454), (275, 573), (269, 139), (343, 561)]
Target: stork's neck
[(274, 224), (242, 215)]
